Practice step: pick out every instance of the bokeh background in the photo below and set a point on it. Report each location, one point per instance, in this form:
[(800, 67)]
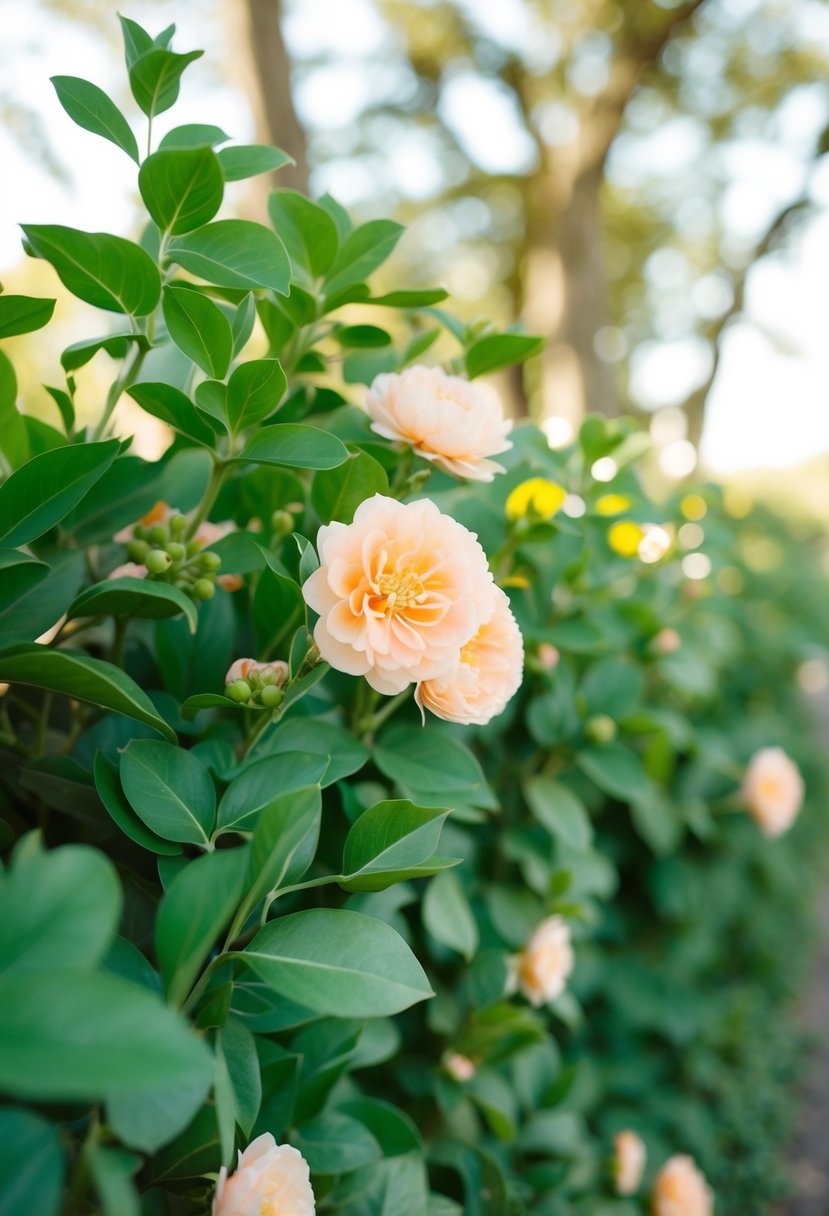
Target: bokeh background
[(642, 182)]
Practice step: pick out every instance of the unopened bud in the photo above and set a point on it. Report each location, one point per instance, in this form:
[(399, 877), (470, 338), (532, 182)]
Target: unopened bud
[(159, 534), (210, 562), (138, 550), (158, 561), (178, 524), (601, 729), (271, 696), (238, 691), (282, 523), (204, 589), (177, 550)]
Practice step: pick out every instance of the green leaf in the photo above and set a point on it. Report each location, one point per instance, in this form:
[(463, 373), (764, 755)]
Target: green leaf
[(20, 573), (296, 447), (234, 253), (340, 963), (90, 108), (335, 1143), (560, 811), (363, 250), (425, 762), (616, 770), (101, 269), (337, 493), (612, 686), (32, 1165), (199, 329), (173, 407), (182, 188), (23, 314), (197, 906), (68, 1035), (111, 793), (112, 1170), (344, 753), (170, 790), (193, 135), (39, 495), (307, 231), (284, 842), (254, 391), (409, 299), (14, 436), (134, 597), (387, 841), (278, 609), (147, 1120), (500, 350), (155, 78), (58, 909), (362, 337), (263, 783), (249, 160), (33, 612), (136, 40), (236, 1058), (448, 916), (77, 675), (116, 345)]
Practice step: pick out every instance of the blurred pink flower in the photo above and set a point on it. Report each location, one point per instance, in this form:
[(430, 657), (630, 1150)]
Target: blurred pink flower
[(773, 790), (681, 1190), (629, 1162)]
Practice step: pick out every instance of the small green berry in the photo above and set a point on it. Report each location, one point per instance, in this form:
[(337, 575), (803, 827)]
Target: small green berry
[(178, 524), (193, 547), (204, 589), (271, 696), (177, 551), (159, 534), (601, 729), (210, 562), (239, 691), (139, 532), (138, 550), (282, 523), (158, 561)]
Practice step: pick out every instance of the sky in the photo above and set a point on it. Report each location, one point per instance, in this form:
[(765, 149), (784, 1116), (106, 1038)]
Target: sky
[(770, 403)]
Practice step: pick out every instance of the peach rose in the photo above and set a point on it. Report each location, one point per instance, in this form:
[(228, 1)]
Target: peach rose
[(681, 1190), (629, 1158), (399, 592), (270, 1180), (159, 514), (667, 641), (772, 790), (460, 1068), (485, 675), (549, 656), (128, 570), (267, 673), (541, 970), (208, 533), (446, 419)]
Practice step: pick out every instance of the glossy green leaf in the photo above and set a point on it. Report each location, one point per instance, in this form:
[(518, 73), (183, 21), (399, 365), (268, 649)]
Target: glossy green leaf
[(199, 329), (77, 675), (559, 810), (19, 573), (136, 40), (111, 793), (423, 761), (284, 842), (294, 446), (170, 790), (197, 906), (134, 597), (340, 963), (249, 160), (173, 407), (236, 1057), (409, 299), (90, 108), (39, 495), (152, 1118), (448, 916), (307, 231), (234, 253), (345, 754), (337, 493), (500, 350), (263, 783), (32, 1165), (155, 78), (278, 610), (101, 269), (254, 391), (23, 314), (69, 1035), (117, 345), (112, 1170), (335, 1143), (363, 250), (194, 135), (182, 188), (616, 770), (388, 840)]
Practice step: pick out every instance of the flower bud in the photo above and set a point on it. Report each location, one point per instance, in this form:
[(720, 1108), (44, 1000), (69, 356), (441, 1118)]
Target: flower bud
[(209, 562), (193, 547), (204, 589), (239, 691), (139, 532), (601, 729), (158, 561), (178, 524), (548, 656), (159, 534), (177, 551), (271, 696), (282, 523), (137, 550)]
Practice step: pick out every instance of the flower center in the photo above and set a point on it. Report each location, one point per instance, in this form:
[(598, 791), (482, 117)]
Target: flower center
[(399, 591)]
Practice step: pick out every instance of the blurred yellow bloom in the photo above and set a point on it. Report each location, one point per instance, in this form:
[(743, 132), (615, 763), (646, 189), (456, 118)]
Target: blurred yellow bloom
[(612, 504), (516, 580), (537, 496), (625, 538), (693, 506)]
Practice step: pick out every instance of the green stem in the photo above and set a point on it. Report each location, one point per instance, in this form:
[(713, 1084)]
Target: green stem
[(217, 477), (117, 652), (42, 724), (127, 375), (371, 724), (201, 983), (265, 720), (79, 1182)]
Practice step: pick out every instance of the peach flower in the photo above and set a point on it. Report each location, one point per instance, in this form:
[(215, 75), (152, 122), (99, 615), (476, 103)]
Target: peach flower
[(772, 790), (549, 656), (230, 582), (667, 641), (399, 592), (681, 1190), (446, 419), (128, 570), (485, 675), (270, 1180), (267, 673), (460, 1068), (159, 514), (208, 533), (629, 1158), (541, 970)]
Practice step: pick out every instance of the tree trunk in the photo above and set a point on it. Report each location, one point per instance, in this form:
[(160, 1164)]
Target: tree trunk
[(273, 101)]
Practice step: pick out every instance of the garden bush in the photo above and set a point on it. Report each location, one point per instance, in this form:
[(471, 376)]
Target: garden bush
[(289, 852)]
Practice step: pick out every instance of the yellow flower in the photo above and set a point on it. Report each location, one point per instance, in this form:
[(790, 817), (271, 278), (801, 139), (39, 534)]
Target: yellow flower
[(536, 496), (693, 506), (612, 504), (625, 538), (516, 580)]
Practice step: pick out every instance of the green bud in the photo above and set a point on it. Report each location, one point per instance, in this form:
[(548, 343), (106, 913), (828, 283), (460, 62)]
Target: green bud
[(158, 561), (271, 696), (138, 550), (204, 589), (159, 534), (139, 532), (239, 691), (210, 562), (183, 584), (601, 729), (177, 551), (177, 525), (282, 523), (193, 547)]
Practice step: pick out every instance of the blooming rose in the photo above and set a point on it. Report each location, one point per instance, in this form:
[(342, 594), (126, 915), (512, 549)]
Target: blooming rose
[(270, 1180), (485, 675), (681, 1190), (541, 970), (159, 514), (773, 790), (268, 673), (128, 570), (399, 592), (628, 1162), (446, 419)]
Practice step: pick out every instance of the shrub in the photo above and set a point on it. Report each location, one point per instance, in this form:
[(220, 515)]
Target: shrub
[(289, 853)]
